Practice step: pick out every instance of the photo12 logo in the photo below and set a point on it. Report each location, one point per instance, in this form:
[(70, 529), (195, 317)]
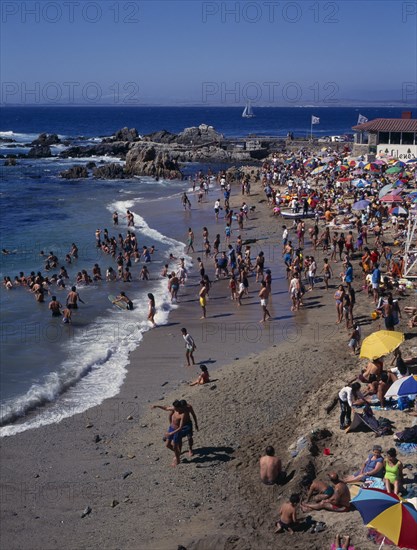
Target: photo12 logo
[(269, 92), (409, 12), (70, 12), (270, 12), (69, 93)]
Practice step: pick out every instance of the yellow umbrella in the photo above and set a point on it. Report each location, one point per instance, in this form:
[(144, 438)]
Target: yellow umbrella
[(381, 343)]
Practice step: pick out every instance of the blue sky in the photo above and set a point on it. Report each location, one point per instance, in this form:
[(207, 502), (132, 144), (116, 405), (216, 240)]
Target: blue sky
[(175, 52)]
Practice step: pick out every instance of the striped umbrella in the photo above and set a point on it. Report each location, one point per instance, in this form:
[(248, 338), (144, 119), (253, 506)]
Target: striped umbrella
[(403, 386), (319, 170), (394, 170), (398, 211), (391, 197), (389, 515)]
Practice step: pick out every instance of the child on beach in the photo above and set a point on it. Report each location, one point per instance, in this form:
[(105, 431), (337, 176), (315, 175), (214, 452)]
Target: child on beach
[(288, 515), (232, 286), (204, 377)]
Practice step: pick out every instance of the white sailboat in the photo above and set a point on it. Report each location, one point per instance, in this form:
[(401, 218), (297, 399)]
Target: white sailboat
[(247, 111)]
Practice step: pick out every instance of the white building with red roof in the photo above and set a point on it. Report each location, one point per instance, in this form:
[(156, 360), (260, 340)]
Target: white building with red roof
[(393, 137)]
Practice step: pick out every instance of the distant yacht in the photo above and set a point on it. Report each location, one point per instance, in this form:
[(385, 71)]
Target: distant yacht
[(247, 111)]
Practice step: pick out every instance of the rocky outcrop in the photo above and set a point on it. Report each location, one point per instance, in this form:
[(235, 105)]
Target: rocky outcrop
[(115, 149), (162, 136), (199, 135), (75, 172), (46, 139), (111, 171), (126, 135), (147, 160), (91, 165), (39, 151)]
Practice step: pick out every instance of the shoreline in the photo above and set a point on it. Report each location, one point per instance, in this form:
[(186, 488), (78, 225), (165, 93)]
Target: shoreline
[(83, 461)]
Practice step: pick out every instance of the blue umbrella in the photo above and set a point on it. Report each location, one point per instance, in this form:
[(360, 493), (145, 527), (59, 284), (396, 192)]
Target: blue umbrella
[(360, 183), (361, 205)]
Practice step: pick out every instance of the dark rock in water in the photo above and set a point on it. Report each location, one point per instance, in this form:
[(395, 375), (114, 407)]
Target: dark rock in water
[(146, 160), (74, 173), (10, 162), (110, 171), (7, 140), (126, 135), (115, 149), (46, 139), (86, 512), (90, 165), (40, 151)]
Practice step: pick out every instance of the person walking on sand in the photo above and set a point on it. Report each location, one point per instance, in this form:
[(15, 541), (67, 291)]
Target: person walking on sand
[(270, 467), (203, 298), (173, 437), (264, 295), (151, 309), (190, 346), (327, 273), (190, 241)]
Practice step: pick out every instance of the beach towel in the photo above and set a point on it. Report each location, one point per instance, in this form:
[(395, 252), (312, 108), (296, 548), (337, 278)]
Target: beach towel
[(406, 448), (334, 547)]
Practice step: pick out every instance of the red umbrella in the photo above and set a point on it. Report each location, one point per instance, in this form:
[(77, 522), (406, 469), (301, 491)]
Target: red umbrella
[(392, 197)]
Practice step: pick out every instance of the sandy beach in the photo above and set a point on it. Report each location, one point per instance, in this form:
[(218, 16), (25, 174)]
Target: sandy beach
[(103, 479)]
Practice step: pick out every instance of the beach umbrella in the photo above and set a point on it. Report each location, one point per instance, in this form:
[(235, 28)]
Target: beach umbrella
[(393, 170), (319, 170), (360, 205), (399, 163), (403, 386), (381, 343), (379, 162), (391, 197), (359, 181), (398, 211), (343, 179), (385, 190), (398, 183), (372, 167), (411, 161), (390, 515)]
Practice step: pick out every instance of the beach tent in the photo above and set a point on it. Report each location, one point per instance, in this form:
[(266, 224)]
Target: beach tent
[(364, 422)]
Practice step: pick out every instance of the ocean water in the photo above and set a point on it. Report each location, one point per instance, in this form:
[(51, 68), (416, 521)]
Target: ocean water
[(76, 367)]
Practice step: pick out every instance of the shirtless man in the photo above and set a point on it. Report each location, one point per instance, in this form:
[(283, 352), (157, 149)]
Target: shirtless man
[(73, 298), (55, 307), (180, 426), (263, 295), (270, 467), (319, 490), (338, 502)]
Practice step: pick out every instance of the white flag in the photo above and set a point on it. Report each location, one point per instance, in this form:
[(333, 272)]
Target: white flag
[(362, 119), (315, 120)]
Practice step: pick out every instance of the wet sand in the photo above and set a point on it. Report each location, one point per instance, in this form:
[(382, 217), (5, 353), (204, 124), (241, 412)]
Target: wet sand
[(270, 386)]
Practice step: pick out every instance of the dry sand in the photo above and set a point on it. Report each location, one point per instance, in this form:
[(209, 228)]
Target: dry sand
[(270, 385)]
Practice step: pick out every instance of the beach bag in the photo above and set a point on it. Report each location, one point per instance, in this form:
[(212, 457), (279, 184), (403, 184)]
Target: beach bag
[(403, 403)]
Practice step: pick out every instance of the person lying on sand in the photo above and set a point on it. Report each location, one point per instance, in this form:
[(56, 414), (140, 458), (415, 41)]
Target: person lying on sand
[(338, 502), (204, 377), (270, 467), (288, 515), (338, 542), (319, 490)]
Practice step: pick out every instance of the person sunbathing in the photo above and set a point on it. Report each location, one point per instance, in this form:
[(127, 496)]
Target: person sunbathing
[(204, 377), (319, 490), (338, 502), (372, 467)]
